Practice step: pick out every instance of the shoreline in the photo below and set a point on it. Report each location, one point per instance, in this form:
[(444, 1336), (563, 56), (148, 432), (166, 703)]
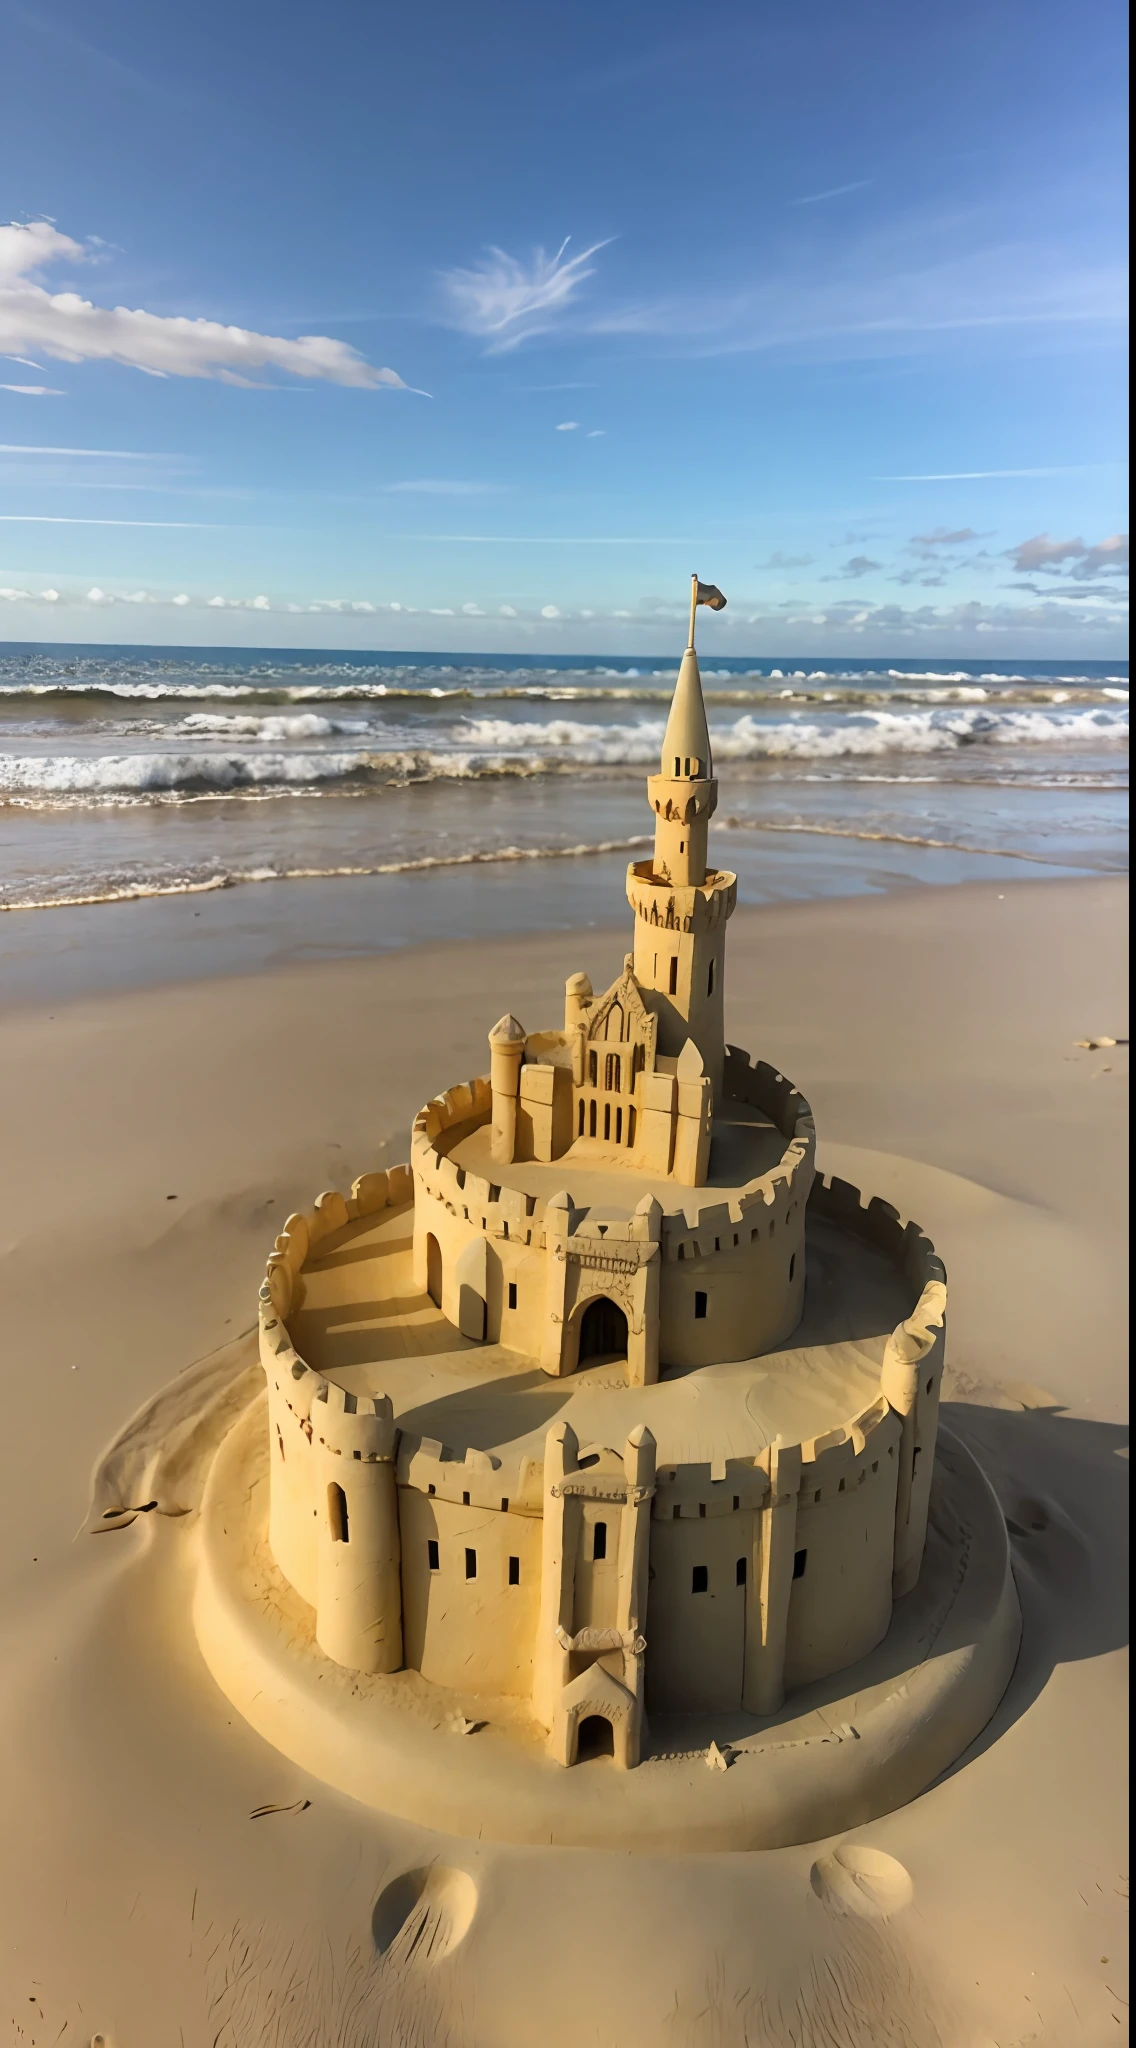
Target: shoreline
[(218, 929)]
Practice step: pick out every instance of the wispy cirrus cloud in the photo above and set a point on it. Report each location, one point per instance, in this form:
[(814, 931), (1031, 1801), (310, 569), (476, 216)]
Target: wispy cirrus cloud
[(834, 192), (903, 285), (35, 390), (73, 330), (443, 487), (946, 537), (109, 454), (507, 300)]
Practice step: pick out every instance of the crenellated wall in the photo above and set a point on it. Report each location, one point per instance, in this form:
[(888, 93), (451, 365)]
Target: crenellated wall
[(729, 1582), (731, 1273)]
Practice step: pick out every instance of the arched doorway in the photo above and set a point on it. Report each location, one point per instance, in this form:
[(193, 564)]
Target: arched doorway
[(434, 1270), (603, 1330), (595, 1737)]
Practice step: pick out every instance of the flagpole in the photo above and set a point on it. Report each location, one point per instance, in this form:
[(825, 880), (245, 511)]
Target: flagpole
[(693, 608)]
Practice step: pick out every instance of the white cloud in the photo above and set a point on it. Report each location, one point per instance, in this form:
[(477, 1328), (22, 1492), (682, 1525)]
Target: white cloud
[(30, 390), (181, 598), (549, 611), (473, 611), (506, 611), (507, 301), (568, 427), (596, 433), (1105, 557), (70, 328)]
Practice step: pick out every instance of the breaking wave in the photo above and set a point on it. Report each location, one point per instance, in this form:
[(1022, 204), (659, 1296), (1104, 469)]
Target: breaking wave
[(496, 746)]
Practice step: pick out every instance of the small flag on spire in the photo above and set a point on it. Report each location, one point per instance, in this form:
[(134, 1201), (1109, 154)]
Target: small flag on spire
[(709, 593)]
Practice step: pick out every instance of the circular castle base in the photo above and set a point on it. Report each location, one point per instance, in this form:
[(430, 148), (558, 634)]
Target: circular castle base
[(840, 1752)]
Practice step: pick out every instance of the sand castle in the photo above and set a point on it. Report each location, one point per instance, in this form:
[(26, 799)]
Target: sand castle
[(607, 1411)]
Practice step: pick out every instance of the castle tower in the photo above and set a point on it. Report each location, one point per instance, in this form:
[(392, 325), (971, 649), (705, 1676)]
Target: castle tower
[(682, 906)]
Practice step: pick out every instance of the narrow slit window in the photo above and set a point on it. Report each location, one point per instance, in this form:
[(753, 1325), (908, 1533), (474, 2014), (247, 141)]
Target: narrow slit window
[(580, 1133), (930, 1384), (592, 1118), (737, 1502), (700, 1579), (279, 1440), (471, 1564), (740, 1572), (631, 1127), (800, 1560), (512, 1294), (504, 1505), (593, 1068), (337, 1513), (678, 765), (699, 1307), (619, 1126), (710, 979), (792, 1265), (599, 1540), (514, 1571), (607, 1122), (465, 1500), (682, 846), (673, 990), (432, 1558)]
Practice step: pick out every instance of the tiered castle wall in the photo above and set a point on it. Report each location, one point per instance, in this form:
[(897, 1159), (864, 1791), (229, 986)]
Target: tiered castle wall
[(732, 1273), (764, 1574)]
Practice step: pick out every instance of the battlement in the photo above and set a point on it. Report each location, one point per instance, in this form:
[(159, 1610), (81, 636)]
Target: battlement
[(678, 907)]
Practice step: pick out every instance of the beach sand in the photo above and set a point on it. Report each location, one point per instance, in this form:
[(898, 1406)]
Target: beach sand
[(155, 1138)]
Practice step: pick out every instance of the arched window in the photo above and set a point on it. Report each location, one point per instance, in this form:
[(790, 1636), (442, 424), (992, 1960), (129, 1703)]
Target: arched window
[(434, 1270), (592, 1118), (611, 1073), (337, 1513), (581, 1131), (593, 1068)]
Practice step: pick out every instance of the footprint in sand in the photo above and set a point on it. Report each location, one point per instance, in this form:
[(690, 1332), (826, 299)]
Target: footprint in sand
[(854, 1878), (423, 1914)]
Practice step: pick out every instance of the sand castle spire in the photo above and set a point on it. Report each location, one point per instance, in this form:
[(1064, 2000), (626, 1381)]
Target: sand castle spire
[(681, 904), (686, 742)]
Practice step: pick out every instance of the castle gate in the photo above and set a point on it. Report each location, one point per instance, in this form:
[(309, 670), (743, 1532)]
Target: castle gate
[(603, 1330)]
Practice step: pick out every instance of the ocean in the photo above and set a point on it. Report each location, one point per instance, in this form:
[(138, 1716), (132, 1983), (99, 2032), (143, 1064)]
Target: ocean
[(134, 772)]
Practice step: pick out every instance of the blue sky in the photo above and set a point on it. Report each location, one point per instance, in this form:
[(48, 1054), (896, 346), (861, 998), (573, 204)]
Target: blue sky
[(355, 326)]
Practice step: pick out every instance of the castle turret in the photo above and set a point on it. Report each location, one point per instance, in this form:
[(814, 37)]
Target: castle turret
[(506, 1051), (681, 905)]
